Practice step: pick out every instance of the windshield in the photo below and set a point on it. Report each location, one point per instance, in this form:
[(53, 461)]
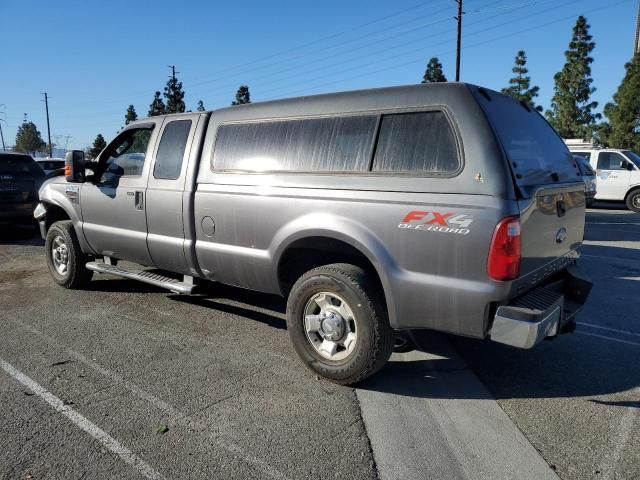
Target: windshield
[(633, 156), (19, 165), (537, 154)]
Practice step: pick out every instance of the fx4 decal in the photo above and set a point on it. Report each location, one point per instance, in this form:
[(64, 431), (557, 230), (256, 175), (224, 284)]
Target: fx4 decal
[(437, 222)]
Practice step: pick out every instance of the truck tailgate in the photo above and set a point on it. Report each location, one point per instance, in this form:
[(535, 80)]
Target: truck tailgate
[(552, 229)]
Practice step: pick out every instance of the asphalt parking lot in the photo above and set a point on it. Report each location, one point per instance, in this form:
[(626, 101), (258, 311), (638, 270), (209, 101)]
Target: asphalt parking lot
[(124, 380)]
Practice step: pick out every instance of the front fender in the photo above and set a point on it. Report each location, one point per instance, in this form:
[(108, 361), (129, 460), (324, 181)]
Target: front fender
[(58, 193)]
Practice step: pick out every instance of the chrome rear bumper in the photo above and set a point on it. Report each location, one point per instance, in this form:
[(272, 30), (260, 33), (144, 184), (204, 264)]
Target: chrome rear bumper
[(542, 312)]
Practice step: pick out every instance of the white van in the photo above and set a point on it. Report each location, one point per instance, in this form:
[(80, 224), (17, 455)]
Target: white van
[(617, 172)]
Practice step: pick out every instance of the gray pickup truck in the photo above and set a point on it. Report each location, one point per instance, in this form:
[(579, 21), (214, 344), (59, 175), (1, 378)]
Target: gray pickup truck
[(447, 207)]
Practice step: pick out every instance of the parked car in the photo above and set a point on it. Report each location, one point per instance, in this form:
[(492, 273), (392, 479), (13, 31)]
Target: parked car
[(50, 165), (588, 177), (617, 173), (445, 206), (20, 179)]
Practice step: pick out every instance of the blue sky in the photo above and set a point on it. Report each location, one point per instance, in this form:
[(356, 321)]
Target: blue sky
[(96, 58)]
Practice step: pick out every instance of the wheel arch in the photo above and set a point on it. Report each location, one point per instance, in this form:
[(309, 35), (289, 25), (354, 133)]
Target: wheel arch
[(340, 242), (631, 190)]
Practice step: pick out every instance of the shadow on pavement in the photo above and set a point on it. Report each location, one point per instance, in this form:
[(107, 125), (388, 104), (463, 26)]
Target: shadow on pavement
[(582, 364)]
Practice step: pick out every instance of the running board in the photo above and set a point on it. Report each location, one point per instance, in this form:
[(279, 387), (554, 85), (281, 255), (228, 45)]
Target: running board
[(185, 287)]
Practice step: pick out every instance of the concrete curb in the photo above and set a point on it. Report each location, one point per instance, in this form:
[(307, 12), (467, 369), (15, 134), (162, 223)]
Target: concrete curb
[(428, 416)]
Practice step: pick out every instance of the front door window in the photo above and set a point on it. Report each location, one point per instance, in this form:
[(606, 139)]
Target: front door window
[(125, 157)]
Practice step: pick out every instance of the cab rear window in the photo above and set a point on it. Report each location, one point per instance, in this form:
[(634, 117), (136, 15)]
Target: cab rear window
[(19, 165), (537, 154)]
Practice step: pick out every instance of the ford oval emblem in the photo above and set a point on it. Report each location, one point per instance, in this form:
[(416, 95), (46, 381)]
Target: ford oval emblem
[(561, 236)]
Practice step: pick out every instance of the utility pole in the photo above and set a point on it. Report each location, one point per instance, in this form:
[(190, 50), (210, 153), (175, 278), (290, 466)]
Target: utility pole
[(46, 106), (173, 72), (1, 120), (459, 19), (1, 135)]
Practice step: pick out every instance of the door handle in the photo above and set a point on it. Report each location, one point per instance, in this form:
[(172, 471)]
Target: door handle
[(139, 200)]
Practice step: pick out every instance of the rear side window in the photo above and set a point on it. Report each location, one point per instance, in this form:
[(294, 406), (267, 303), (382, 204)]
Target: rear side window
[(171, 150), (22, 165), (338, 144), (610, 161), (416, 143), (536, 152)]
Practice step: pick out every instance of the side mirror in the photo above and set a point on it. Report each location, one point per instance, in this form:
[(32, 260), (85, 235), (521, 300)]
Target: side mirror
[(628, 166), (74, 166)]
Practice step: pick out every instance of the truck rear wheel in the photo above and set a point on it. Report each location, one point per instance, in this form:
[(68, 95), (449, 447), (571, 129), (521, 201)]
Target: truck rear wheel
[(65, 260), (338, 324), (633, 201)]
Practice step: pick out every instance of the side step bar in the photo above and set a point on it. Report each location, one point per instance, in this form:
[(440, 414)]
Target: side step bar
[(185, 287)]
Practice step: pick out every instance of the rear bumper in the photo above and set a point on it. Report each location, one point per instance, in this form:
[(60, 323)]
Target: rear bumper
[(542, 312)]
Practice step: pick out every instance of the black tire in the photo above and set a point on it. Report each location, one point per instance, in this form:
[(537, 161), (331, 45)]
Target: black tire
[(76, 274), (633, 201), (375, 338)]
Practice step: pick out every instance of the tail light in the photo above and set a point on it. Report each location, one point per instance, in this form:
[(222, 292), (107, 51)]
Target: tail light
[(505, 250)]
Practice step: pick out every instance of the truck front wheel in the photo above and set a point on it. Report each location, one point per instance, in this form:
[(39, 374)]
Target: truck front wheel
[(337, 323), (65, 260), (633, 201)]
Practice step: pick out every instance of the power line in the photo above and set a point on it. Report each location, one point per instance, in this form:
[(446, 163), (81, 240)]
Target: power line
[(445, 42), (451, 51), (299, 47), (299, 73), (503, 10)]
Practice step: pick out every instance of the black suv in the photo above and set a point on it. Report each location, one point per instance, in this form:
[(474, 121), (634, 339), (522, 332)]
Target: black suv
[(20, 179)]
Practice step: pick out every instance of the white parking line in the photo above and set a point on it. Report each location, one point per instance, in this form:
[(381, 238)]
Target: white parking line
[(621, 438), (609, 329), (126, 455), (608, 338), (175, 415)]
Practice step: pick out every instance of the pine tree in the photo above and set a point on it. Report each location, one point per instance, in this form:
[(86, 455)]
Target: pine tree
[(520, 86), (157, 107), (28, 138), (242, 96), (98, 145), (200, 107), (571, 108), (623, 128), (433, 73), (174, 95), (131, 115)]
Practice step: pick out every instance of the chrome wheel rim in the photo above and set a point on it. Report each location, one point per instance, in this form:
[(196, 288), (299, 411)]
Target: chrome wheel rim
[(60, 255), (330, 326), (636, 201)]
